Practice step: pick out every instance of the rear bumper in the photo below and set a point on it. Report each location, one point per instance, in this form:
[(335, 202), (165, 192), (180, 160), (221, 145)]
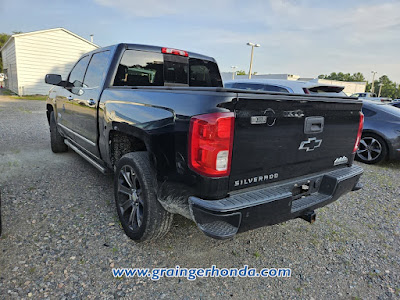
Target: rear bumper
[(273, 204)]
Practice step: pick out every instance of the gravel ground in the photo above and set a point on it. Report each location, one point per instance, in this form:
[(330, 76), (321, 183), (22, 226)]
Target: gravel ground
[(61, 236)]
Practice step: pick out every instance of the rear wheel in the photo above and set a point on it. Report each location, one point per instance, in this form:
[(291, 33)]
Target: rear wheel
[(141, 215), (56, 140), (372, 149)]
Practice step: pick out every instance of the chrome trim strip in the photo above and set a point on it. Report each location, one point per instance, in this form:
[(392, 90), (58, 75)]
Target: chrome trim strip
[(76, 134)]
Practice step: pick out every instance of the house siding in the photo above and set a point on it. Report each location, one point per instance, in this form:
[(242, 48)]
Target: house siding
[(54, 51), (10, 66)]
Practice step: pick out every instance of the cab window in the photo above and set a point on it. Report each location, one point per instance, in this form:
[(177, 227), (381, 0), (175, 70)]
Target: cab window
[(97, 69), (75, 78)]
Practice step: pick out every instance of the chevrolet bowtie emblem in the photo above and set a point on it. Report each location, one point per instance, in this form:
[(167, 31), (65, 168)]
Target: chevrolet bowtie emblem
[(310, 144)]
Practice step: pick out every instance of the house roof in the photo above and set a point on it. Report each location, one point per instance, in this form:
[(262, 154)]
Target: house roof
[(48, 30)]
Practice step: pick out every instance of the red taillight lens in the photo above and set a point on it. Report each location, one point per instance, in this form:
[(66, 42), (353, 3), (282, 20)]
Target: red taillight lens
[(174, 51), (210, 144), (359, 133)]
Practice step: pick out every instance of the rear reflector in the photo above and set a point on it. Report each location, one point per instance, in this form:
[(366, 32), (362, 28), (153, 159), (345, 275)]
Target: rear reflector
[(359, 133), (210, 144), (174, 51)]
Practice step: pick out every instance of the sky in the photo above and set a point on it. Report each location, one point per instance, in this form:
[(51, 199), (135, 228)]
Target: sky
[(302, 37)]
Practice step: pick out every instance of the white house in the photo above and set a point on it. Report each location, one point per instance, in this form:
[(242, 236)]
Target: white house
[(28, 57)]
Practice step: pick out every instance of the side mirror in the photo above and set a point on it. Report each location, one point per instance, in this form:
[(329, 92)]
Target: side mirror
[(53, 79)]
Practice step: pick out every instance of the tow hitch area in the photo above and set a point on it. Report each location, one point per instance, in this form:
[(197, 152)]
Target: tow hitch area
[(300, 190), (309, 216)]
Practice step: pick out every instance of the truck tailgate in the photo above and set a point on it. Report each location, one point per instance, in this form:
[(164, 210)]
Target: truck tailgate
[(279, 137)]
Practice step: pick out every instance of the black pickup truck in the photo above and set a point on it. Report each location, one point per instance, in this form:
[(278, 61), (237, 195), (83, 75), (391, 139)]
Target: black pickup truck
[(179, 143)]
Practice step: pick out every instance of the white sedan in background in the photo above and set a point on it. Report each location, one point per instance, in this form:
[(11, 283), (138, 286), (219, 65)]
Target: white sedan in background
[(286, 86)]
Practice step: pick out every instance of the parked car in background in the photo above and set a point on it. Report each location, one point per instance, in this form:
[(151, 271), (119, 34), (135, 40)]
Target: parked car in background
[(395, 104), (286, 86), (371, 97), (381, 134)]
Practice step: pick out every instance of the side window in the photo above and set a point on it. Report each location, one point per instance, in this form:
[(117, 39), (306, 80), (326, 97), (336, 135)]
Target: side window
[(76, 76), (249, 86), (140, 68), (274, 88), (97, 69)]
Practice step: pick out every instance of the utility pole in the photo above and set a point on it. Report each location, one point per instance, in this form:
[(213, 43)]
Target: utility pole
[(373, 81), (91, 38), (233, 72), (380, 89), (252, 54)]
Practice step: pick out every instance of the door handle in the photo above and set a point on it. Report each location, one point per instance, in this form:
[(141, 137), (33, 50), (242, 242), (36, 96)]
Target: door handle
[(91, 102), (314, 125), (70, 98)]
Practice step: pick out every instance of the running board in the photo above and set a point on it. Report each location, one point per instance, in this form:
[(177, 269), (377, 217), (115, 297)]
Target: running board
[(85, 156)]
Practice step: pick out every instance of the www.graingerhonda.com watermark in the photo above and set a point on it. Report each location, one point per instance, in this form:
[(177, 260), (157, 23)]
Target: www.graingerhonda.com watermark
[(194, 273)]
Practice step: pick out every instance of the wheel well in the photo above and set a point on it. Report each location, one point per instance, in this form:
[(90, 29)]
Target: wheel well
[(48, 112), (121, 143), (388, 148)]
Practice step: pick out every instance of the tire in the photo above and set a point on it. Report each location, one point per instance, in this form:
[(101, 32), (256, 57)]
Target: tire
[(141, 215), (56, 140), (372, 149)]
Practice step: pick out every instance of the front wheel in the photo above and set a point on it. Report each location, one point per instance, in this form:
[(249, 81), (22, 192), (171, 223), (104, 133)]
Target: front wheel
[(372, 149), (56, 140), (141, 215)]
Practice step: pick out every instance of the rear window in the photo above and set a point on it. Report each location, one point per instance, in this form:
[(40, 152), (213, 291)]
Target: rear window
[(204, 73), (141, 68), (258, 87)]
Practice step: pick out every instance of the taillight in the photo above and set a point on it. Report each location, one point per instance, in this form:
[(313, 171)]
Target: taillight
[(174, 51), (210, 143), (306, 91), (359, 133)]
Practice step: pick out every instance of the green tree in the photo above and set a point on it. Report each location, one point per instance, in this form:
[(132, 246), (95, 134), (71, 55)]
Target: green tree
[(3, 39), (358, 77), (389, 89), (343, 76), (240, 72)]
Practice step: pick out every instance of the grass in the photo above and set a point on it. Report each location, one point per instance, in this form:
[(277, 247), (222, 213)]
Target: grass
[(6, 92), (31, 97)]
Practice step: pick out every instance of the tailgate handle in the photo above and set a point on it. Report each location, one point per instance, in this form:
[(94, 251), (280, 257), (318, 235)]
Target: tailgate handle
[(313, 125)]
